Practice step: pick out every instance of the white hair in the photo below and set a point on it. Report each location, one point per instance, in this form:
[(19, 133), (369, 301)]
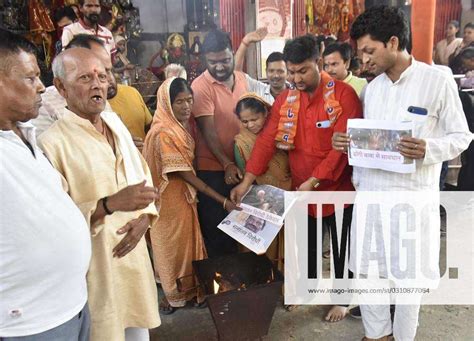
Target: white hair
[(175, 70), (58, 67)]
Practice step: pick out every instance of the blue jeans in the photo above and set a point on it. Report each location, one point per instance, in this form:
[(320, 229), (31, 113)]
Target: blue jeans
[(76, 329)]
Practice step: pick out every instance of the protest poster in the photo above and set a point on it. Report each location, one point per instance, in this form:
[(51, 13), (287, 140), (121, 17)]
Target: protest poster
[(261, 218), (374, 145), (253, 232)]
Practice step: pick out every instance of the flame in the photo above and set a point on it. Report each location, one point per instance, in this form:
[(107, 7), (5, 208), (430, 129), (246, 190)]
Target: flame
[(272, 277), (217, 276)]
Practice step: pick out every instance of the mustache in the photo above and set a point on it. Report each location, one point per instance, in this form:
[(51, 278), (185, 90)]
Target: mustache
[(93, 16)]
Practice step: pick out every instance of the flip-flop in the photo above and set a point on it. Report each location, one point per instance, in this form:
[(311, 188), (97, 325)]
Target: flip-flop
[(290, 307), (166, 308), (201, 305)]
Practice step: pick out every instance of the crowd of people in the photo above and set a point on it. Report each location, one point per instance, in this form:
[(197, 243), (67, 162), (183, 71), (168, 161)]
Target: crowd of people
[(93, 183)]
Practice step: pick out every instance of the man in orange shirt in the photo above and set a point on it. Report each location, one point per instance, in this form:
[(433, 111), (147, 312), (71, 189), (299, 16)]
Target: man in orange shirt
[(216, 93)]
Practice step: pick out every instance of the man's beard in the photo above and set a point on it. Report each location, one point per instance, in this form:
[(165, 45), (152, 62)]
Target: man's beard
[(227, 75), (367, 75), (93, 18)]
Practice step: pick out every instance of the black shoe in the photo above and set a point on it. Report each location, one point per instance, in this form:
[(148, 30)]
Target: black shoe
[(355, 312)]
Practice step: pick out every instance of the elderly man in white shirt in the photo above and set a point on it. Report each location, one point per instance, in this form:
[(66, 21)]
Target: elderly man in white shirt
[(440, 133), (45, 246)]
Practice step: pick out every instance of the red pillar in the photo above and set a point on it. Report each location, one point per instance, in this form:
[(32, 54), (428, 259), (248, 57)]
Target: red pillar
[(422, 26), (232, 18)]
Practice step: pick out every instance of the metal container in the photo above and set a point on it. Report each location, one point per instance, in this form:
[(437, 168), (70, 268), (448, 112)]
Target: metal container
[(244, 313)]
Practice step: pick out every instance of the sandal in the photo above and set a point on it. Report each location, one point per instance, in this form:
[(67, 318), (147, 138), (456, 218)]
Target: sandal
[(166, 308), (290, 307), (201, 305)]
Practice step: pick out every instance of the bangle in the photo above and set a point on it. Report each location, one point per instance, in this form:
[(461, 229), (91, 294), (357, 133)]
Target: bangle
[(228, 164), (225, 201), (104, 205)]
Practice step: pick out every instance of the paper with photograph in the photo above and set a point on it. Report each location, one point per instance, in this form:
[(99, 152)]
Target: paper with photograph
[(374, 145), (266, 202), (261, 218), (253, 232)]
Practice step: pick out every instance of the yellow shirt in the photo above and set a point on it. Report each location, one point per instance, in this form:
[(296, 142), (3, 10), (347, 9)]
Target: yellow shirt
[(128, 104), (357, 83), (122, 291)]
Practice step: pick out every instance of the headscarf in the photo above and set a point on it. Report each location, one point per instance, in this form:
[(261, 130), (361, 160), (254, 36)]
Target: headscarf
[(256, 97), (168, 147), (278, 172)]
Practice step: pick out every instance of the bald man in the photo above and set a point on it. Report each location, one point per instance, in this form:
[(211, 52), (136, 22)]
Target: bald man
[(124, 100), (110, 182)]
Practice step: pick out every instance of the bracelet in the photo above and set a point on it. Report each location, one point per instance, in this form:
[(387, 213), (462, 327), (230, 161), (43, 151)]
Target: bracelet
[(104, 205), (228, 164), (225, 201), (315, 183)]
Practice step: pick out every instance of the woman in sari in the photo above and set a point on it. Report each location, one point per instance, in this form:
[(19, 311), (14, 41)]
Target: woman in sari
[(447, 46), (176, 235), (253, 111)]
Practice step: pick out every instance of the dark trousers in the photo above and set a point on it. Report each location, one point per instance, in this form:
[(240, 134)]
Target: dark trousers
[(329, 222), (338, 253), (211, 213)]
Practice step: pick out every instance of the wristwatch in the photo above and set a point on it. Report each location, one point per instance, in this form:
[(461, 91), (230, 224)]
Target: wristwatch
[(314, 182)]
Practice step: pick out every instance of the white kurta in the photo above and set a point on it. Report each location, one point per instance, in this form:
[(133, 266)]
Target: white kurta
[(444, 129)]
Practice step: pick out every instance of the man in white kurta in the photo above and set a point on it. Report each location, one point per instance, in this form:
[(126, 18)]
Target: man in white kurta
[(104, 173), (440, 133)]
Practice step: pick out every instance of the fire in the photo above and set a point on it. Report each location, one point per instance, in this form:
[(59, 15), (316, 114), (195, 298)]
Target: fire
[(218, 276), (221, 284), (272, 277)]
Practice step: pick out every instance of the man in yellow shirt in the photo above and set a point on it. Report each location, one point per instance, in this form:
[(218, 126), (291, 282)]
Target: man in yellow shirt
[(128, 104), (337, 59)]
